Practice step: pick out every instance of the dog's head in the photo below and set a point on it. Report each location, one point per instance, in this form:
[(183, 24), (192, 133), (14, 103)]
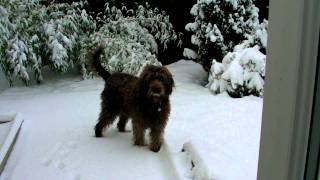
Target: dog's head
[(156, 83)]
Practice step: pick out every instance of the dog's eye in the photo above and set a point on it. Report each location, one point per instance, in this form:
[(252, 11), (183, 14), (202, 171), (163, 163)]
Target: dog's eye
[(161, 78)]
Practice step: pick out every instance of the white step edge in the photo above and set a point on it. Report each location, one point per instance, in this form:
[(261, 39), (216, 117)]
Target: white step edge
[(10, 140)]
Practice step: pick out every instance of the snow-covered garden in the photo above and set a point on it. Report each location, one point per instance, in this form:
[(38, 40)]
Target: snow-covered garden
[(214, 126)]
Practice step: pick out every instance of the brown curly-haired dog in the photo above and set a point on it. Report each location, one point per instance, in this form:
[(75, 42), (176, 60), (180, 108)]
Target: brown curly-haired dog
[(145, 100)]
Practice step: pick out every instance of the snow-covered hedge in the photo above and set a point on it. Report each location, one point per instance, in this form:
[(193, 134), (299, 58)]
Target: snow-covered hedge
[(241, 73), (33, 35), (220, 25), (61, 35)]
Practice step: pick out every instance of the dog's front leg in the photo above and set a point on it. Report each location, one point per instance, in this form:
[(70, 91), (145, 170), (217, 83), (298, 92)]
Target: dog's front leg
[(138, 134), (156, 135)]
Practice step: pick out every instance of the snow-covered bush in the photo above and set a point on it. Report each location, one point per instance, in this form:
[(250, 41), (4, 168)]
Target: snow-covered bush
[(17, 53), (67, 34), (155, 21), (257, 38), (128, 47), (240, 73), (219, 25), (33, 35), (132, 38), (61, 35)]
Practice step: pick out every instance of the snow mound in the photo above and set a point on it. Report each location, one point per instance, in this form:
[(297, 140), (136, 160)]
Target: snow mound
[(199, 170)]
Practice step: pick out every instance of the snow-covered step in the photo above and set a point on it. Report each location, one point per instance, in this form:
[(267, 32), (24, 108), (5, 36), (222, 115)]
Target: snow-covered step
[(199, 171), (9, 129), (189, 164)]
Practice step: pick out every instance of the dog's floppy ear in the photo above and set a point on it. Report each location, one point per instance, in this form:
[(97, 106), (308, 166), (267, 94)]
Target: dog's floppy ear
[(144, 78), (168, 78)]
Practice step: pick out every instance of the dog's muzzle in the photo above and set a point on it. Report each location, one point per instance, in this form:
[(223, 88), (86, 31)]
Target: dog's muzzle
[(155, 95)]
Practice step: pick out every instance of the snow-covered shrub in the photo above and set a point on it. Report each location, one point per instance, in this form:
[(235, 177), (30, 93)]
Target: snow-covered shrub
[(17, 53), (219, 25), (128, 47), (33, 36), (257, 38), (131, 38), (6, 27), (67, 34), (155, 21), (240, 73), (61, 35)]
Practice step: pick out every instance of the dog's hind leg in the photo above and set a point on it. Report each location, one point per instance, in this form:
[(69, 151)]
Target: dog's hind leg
[(105, 120), (123, 119)]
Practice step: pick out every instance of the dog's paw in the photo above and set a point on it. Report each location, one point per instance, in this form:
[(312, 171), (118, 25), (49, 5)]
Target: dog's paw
[(155, 148), (139, 143), (123, 130), (98, 134)]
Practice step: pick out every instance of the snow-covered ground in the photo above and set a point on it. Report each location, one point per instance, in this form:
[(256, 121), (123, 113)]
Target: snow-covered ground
[(56, 140)]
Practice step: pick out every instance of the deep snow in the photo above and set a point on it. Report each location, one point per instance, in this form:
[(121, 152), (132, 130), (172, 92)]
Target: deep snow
[(56, 140)]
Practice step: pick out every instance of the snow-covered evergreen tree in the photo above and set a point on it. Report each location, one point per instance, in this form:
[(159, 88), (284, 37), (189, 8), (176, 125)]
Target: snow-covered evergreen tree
[(220, 25)]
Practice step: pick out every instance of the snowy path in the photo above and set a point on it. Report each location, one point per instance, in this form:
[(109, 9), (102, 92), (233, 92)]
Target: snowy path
[(56, 140)]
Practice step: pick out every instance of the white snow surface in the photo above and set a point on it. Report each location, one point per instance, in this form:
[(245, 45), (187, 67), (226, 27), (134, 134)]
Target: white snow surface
[(56, 140)]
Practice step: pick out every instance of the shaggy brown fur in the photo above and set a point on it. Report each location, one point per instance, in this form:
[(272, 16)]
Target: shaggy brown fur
[(145, 100)]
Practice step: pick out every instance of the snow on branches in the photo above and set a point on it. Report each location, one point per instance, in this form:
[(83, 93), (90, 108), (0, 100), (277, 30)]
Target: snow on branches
[(240, 73), (128, 47), (229, 39), (60, 35), (155, 21), (219, 25), (35, 36), (132, 38)]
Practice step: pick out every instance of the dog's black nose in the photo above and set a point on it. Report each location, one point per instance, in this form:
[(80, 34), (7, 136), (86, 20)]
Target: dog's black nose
[(156, 90)]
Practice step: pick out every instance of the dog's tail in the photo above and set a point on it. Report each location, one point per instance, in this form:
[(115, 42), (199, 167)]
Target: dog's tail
[(96, 64)]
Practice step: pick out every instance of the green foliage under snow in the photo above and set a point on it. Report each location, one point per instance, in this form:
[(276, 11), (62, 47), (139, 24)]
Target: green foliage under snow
[(131, 38), (33, 36), (230, 43), (220, 25), (61, 35)]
